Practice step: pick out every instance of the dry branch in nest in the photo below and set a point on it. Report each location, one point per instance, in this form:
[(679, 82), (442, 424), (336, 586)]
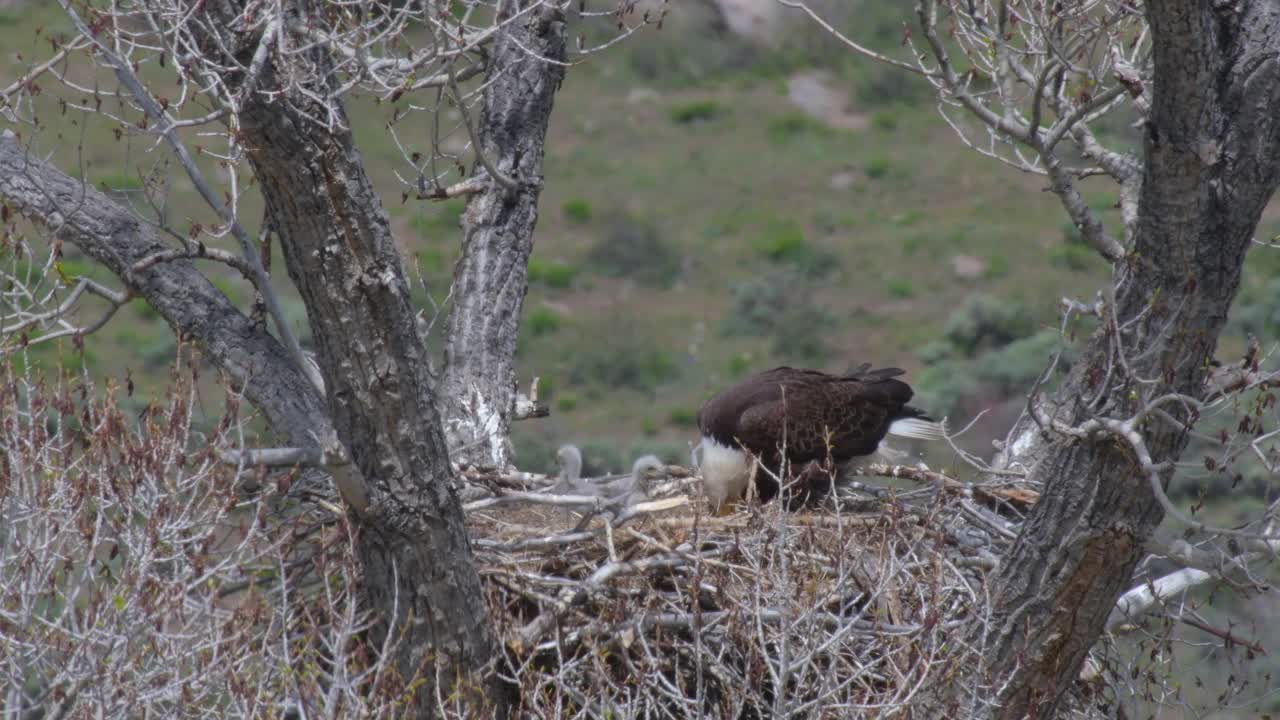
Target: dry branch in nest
[(657, 609)]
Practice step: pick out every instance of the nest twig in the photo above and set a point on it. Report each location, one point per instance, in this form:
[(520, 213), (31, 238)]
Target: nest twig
[(658, 609)]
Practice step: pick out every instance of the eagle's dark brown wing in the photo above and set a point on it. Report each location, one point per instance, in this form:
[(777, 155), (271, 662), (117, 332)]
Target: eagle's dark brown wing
[(848, 414)]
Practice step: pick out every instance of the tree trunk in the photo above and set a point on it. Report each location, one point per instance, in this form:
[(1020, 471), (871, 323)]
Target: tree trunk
[(337, 244), (1212, 145), (478, 390), (340, 253)]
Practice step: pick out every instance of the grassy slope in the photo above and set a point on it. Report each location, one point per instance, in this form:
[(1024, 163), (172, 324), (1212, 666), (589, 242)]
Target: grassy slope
[(719, 193), (714, 190)]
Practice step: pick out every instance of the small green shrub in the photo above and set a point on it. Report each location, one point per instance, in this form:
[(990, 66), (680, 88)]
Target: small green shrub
[(552, 274), (791, 125), (1257, 311), (759, 304), (779, 305), (886, 120), (73, 360), (543, 321), (226, 286), (1072, 256), (984, 321), (71, 269), (942, 388), (697, 111), (631, 247), (1014, 367), (683, 417), (908, 218), (649, 427), (997, 267), (739, 364), (630, 364), (915, 242), (829, 222), (900, 288), (877, 168), (800, 340), (656, 60), (566, 402), (577, 211), (159, 352), (783, 241), (935, 351), (780, 240), (672, 453)]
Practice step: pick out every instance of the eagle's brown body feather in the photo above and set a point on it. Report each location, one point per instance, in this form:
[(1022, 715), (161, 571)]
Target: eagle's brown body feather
[(810, 415)]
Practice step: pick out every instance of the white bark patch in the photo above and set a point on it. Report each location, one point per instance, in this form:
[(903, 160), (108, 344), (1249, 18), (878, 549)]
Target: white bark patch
[(1023, 444), (479, 427)]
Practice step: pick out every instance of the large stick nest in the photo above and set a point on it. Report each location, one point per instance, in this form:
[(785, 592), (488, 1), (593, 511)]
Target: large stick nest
[(858, 607)]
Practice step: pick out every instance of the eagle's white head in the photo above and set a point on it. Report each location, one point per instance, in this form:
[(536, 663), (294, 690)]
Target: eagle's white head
[(725, 472)]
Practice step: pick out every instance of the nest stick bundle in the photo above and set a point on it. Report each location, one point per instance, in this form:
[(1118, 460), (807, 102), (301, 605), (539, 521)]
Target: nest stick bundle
[(655, 608)]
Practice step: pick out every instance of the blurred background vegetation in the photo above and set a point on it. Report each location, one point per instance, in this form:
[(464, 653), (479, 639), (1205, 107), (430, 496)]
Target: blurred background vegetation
[(717, 204)]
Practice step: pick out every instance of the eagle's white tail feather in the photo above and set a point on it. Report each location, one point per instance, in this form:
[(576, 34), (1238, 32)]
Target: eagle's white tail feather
[(918, 429)]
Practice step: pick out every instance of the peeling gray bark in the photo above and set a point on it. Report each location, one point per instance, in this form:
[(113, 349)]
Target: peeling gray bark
[(1212, 162), (184, 297), (478, 389), (338, 248)]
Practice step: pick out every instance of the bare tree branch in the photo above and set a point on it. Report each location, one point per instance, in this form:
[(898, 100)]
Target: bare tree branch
[(192, 306)]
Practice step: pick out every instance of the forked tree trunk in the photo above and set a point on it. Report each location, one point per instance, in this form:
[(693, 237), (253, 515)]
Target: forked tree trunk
[(418, 567), (478, 390), (1212, 159)]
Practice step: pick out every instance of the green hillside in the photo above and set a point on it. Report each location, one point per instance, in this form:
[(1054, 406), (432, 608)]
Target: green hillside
[(696, 224)]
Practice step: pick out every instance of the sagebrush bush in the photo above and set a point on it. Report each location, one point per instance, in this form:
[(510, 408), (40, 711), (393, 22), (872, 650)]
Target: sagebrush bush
[(782, 241), (543, 321), (1257, 312), (984, 322), (988, 348), (695, 112), (631, 247), (577, 211), (779, 305), (625, 363), (793, 125)]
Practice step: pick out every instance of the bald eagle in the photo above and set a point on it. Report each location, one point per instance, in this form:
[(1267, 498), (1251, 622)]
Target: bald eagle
[(805, 417)]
